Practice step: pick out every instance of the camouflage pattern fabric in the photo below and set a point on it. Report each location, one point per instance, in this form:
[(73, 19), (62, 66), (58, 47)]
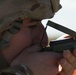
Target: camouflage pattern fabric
[(11, 10), (7, 35), (17, 70), (20, 9), (5, 39)]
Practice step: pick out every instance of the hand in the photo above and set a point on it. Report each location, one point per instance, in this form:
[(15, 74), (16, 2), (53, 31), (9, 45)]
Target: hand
[(33, 35), (25, 38), (19, 39), (37, 31), (68, 63), (41, 63), (18, 42), (40, 35)]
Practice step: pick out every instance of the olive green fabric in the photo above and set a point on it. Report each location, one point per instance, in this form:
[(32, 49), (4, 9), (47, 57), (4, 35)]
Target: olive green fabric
[(10, 10)]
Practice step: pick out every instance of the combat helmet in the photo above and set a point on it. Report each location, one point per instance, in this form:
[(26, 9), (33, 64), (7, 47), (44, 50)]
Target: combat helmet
[(11, 10)]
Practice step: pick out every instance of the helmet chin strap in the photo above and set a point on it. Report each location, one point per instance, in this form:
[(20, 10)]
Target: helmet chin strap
[(43, 35)]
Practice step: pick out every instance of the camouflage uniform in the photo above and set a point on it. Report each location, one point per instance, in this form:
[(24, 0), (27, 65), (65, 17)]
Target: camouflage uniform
[(12, 12), (17, 70)]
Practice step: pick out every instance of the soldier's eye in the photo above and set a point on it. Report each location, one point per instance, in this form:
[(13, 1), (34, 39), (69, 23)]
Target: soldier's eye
[(35, 6)]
